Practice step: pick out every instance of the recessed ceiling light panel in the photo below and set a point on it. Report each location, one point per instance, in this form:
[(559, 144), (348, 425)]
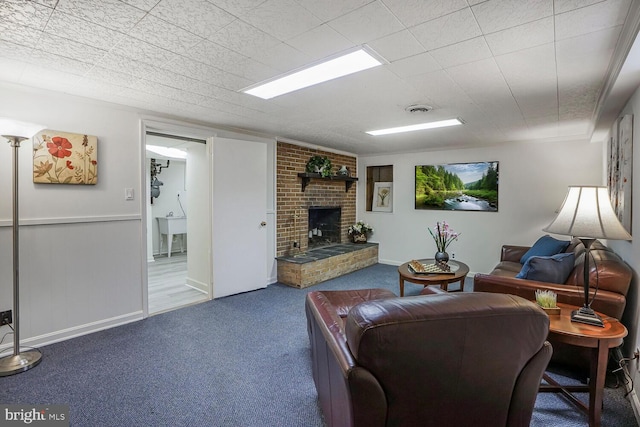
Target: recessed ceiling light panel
[(330, 69), (419, 126)]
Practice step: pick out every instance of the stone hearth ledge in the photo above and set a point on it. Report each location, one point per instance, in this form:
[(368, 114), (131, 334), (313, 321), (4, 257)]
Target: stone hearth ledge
[(317, 265)]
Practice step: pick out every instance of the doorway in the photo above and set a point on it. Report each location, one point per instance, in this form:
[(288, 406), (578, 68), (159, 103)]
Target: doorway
[(170, 178)]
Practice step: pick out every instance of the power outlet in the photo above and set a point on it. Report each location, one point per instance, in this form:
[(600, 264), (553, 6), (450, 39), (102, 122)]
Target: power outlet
[(453, 255), (6, 317)]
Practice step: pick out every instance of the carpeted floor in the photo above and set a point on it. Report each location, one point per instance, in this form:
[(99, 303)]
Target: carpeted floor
[(238, 361)]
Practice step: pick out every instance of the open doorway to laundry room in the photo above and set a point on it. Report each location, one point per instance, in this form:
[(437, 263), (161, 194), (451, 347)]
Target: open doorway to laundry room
[(171, 180)]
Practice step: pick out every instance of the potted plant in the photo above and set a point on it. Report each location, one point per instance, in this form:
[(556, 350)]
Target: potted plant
[(359, 231), (319, 164)]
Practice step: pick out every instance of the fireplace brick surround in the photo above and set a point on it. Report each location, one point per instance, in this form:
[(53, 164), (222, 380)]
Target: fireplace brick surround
[(292, 218), (292, 202)]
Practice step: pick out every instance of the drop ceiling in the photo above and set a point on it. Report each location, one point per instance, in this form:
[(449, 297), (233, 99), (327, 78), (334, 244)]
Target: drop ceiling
[(513, 70)]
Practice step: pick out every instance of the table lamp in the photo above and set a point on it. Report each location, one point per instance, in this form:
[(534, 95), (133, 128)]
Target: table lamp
[(587, 214), (16, 132)]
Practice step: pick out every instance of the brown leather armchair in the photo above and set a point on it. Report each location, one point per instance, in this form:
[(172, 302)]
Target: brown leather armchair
[(429, 360)]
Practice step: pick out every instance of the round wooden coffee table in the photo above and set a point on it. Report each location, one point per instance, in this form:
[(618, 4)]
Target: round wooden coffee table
[(599, 340), (458, 274)]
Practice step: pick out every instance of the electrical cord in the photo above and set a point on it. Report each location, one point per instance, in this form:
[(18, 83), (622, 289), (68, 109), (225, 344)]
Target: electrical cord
[(24, 346), (627, 380), (181, 208)]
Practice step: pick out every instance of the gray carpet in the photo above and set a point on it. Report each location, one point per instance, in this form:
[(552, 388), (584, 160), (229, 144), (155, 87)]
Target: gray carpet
[(238, 361)]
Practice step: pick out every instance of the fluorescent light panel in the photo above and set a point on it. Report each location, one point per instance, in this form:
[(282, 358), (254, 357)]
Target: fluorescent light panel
[(420, 126), (332, 69), (167, 151)]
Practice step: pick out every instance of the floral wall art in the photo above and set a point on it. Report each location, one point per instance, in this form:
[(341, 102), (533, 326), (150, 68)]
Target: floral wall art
[(620, 168), (65, 158)]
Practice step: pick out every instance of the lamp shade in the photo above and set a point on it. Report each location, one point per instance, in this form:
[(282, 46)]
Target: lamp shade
[(587, 212), (11, 127)]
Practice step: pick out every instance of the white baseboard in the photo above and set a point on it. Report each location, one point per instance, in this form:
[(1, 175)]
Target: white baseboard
[(77, 331), (198, 286)]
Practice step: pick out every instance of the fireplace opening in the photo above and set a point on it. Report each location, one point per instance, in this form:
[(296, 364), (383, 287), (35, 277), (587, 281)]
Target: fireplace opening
[(324, 226)]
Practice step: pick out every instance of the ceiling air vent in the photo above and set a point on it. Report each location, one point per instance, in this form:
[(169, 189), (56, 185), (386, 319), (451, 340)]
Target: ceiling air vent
[(418, 108)]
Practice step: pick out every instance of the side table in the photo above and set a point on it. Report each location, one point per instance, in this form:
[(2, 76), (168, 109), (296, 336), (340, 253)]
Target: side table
[(460, 273), (599, 340)]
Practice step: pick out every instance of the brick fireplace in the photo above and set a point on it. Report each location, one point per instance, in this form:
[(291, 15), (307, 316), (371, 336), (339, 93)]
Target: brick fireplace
[(293, 203), (330, 254)]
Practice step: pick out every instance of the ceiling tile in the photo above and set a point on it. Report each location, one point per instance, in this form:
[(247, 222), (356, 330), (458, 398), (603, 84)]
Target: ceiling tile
[(42, 76), (237, 7), (11, 69), (116, 62), (413, 12), (441, 90), (270, 15), (19, 34), (159, 33), (496, 15), (460, 53), (142, 51), (534, 67), (244, 38), (447, 30), (397, 46), (145, 5), (367, 23), (108, 13), (197, 16), (51, 61), (48, 3), (414, 65), (327, 10), (111, 77), (14, 51), (561, 6), (283, 58), (26, 13), (599, 16), (521, 37), (206, 73), (72, 28), (320, 42), (70, 49)]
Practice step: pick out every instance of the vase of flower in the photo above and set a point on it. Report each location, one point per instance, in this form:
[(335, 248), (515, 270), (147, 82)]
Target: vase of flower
[(442, 257), (443, 235), (358, 232)]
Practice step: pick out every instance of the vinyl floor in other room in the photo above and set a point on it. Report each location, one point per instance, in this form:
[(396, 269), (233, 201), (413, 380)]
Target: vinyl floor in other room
[(167, 284)]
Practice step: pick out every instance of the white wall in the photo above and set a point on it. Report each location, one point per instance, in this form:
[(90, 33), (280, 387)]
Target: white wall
[(630, 251), (80, 246), (533, 182)]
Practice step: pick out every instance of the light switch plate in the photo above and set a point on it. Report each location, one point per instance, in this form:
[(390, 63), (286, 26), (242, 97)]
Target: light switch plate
[(128, 193)]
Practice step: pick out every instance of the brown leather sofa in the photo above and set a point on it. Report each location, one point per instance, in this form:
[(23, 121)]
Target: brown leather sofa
[(609, 270), (429, 360)]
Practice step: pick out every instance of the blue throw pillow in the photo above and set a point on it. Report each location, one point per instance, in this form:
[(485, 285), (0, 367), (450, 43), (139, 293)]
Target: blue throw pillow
[(545, 246), (550, 269)]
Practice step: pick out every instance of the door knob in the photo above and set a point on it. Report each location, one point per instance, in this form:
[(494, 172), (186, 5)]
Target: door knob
[(263, 224)]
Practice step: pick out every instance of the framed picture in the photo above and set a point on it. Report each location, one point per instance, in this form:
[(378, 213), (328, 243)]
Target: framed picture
[(457, 187), (620, 169), (382, 197), (65, 158)]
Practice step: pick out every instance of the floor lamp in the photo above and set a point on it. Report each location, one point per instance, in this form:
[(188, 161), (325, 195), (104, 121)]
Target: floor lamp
[(16, 132), (587, 214)]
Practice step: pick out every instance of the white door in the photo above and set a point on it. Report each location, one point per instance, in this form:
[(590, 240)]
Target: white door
[(239, 216)]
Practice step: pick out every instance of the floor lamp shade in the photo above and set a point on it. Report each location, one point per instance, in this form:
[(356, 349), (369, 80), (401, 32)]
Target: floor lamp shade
[(587, 214), (15, 132)]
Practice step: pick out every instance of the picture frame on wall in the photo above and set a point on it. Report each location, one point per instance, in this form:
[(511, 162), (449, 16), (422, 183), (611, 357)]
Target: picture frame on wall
[(65, 158), (457, 187), (620, 169), (382, 197)]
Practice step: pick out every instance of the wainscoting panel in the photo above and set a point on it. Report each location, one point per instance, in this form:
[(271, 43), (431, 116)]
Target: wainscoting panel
[(74, 274)]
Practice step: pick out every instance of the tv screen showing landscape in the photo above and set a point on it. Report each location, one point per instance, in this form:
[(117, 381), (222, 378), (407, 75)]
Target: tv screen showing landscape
[(458, 187)]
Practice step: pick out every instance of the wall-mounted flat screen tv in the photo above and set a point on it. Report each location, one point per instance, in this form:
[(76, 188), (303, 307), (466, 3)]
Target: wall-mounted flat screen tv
[(457, 187)]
